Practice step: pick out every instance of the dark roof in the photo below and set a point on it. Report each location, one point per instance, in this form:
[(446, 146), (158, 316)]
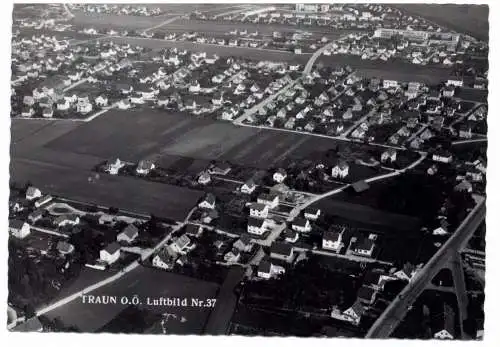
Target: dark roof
[(268, 197), (257, 206), (281, 248), (300, 222), (16, 223), (130, 230), (192, 229), (210, 198), (364, 244), (264, 266), (331, 235), (64, 246), (358, 308), (311, 210), (255, 222), (366, 293), (112, 248), (290, 234), (372, 277)]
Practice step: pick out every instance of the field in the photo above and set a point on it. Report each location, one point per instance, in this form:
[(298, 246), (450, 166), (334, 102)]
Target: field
[(467, 18), (112, 21), (144, 282)]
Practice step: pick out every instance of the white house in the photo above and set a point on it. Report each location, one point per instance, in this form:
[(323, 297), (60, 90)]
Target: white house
[(390, 84), (129, 234), (181, 244), (208, 202), (114, 167), (101, 101), (340, 170), (204, 178), (64, 220), (43, 201), (19, 228), (363, 247), (442, 157), (248, 187), (144, 167), (33, 193), (111, 253), (64, 247), (232, 256), (332, 240), (256, 226), (259, 210), (163, 260), (271, 200), (279, 176), (83, 105), (389, 155), (63, 105), (312, 213), (267, 270), (301, 225), (352, 315)]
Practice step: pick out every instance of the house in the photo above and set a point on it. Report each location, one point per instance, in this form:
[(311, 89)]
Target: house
[(312, 213), (145, 167), (354, 313), (291, 236), (70, 219), (64, 247), (443, 321), (204, 178), (163, 260), (465, 130), (33, 193), (83, 105), (19, 228), (390, 84), (475, 175), (376, 280), (389, 155), (110, 254), (340, 170), (208, 202), (129, 234), (363, 247), (279, 176), (27, 111), (256, 226), (219, 169), (267, 270), (282, 251), (453, 81), (101, 101), (259, 210), (406, 273), (301, 225), (367, 295), (271, 200), (232, 256), (63, 105), (28, 100), (332, 240), (248, 187), (442, 156), (136, 98), (194, 230), (124, 104), (464, 186), (448, 91), (47, 112), (182, 244), (114, 167), (36, 215), (243, 244)]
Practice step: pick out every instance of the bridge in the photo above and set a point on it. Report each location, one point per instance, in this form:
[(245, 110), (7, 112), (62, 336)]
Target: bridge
[(448, 256)]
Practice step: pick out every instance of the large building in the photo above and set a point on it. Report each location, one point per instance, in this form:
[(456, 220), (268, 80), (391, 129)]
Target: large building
[(449, 40)]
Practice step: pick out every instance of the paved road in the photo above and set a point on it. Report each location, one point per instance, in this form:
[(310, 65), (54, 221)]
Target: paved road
[(469, 141), (396, 311)]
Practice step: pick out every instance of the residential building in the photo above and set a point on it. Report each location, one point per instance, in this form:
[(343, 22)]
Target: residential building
[(279, 176), (363, 246), (19, 228), (332, 240), (291, 236), (389, 155), (367, 295), (43, 200), (243, 244), (443, 321), (144, 167), (259, 210), (63, 220), (301, 225), (163, 260), (256, 226), (33, 193), (312, 213), (340, 170), (182, 244), (248, 187), (267, 270), (111, 253), (271, 200), (208, 202), (233, 256), (64, 247), (282, 251), (194, 230), (129, 234)]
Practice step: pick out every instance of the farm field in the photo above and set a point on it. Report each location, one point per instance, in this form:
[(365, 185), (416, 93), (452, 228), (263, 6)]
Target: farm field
[(112, 21), (470, 19), (144, 282)]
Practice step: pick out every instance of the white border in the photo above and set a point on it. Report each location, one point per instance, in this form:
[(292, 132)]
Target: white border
[(492, 329)]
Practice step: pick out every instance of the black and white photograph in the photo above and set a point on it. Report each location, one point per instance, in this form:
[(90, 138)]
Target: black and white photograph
[(252, 169)]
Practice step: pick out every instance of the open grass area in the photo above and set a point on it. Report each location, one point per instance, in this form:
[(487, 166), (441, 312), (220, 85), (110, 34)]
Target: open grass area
[(144, 282)]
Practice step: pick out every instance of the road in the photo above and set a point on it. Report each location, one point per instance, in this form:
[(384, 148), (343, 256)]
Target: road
[(168, 21), (460, 142), (396, 311)]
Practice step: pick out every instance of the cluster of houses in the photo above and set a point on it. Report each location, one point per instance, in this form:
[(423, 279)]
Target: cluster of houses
[(118, 9)]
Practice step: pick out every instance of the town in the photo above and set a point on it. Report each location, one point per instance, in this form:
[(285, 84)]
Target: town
[(299, 170)]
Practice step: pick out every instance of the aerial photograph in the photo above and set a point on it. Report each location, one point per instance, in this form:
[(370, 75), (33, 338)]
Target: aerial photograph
[(307, 170)]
